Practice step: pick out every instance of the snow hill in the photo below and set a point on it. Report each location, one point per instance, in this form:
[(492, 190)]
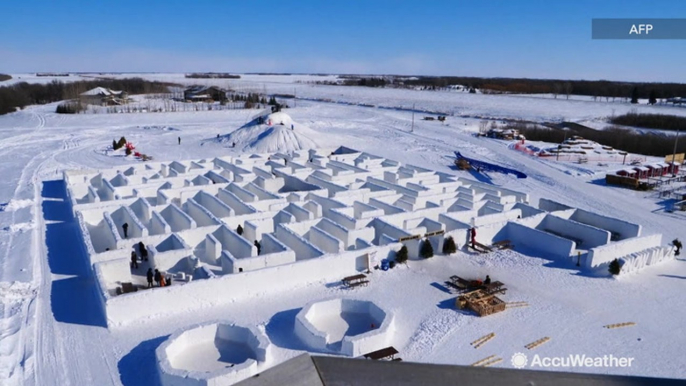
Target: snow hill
[(276, 132)]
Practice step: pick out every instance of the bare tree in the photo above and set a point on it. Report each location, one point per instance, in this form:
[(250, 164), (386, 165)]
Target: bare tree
[(568, 89)]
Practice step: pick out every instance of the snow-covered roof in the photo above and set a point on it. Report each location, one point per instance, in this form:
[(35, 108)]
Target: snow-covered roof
[(101, 91), (641, 168)]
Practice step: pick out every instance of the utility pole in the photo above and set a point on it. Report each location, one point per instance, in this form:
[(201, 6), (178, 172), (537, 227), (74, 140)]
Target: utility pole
[(676, 139), (412, 129)]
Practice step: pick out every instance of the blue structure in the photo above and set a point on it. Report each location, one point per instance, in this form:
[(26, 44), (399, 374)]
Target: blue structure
[(385, 265), (480, 165)]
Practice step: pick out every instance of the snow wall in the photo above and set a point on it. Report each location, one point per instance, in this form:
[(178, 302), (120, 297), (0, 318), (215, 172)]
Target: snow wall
[(176, 299)]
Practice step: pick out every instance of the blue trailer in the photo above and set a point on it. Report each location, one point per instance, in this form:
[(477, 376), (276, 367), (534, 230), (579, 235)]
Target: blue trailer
[(477, 165)]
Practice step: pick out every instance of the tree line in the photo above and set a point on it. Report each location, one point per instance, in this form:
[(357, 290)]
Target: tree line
[(651, 121), (616, 137), (4, 77), (593, 88), (212, 75), (23, 94)]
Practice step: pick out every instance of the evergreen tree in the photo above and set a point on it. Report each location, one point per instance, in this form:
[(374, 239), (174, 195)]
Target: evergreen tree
[(614, 267), (401, 255), (652, 99), (121, 143), (426, 250), (634, 95), (449, 246), (114, 145)]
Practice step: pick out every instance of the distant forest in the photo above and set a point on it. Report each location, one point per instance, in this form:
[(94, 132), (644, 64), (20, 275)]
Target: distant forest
[(651, 121), (619, 138), (4, 77), (23, 94), (593, 88), (212, 75)]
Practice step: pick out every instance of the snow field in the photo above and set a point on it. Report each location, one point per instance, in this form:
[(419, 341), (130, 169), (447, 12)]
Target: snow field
[(56, 322)]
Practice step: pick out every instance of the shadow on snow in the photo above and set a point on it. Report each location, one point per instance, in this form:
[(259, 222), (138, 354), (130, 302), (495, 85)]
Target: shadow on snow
[(139, 366), (73, 299)]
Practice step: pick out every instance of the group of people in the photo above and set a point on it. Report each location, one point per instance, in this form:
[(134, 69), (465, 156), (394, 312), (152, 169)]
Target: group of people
[(151, 275), (158, 277), (144, 255)]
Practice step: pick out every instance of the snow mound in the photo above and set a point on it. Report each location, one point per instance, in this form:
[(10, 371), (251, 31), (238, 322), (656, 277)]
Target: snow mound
[(275, 132)]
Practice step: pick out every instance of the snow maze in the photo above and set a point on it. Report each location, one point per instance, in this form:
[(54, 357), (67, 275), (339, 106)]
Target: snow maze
[(212, 354), (304, 217), (344, 326)]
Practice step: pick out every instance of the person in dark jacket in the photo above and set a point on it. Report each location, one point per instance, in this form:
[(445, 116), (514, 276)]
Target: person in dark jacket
[(473, 234), (158, 277), (125, 227), (143, 251), (488, 280), (258, 246), (134, 260), (179, 140), (149, 275)]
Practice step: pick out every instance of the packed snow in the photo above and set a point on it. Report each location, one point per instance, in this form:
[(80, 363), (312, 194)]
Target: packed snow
[(54, 331), (271, 132)]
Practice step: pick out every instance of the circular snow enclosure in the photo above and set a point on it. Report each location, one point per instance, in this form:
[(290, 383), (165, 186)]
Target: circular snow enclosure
[(212, 354), (345, 326)]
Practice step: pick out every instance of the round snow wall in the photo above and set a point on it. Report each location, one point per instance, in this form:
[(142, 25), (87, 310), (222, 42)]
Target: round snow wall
[(214, 353), (344, 326)]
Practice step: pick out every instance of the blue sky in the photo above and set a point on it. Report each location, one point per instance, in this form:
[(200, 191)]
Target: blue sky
[(526, 38)]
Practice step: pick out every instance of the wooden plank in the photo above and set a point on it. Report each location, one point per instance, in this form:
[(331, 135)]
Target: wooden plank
[(482, 361), (485, 337), (516, 304), (484, 247), (619, 325), (492, 362), (537, 343)]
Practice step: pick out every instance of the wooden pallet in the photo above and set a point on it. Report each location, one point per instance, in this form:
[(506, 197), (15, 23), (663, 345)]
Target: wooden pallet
[(537, 343), (479, 342), (619, 325)]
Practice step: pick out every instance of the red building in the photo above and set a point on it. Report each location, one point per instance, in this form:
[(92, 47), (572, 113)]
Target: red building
[(641, 172)]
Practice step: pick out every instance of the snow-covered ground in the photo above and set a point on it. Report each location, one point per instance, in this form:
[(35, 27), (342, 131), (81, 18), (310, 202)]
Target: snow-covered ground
[(52, 329)]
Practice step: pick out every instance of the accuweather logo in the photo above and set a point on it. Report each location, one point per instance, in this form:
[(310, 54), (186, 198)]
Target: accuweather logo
[(520, 360)]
